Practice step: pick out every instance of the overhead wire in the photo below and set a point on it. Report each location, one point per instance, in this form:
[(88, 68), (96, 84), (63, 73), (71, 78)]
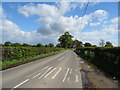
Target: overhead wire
[(85, 13)]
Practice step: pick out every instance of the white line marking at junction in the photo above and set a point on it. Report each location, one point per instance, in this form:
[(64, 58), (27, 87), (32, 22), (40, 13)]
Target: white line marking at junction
[(68, 78), (37, 71), (65, 75), (45, 72), (70, 71), (37, 75), (56, 73), (76, 78), (49, 72)]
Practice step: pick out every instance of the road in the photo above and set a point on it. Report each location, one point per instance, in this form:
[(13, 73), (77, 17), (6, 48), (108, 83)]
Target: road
[(57, 71)]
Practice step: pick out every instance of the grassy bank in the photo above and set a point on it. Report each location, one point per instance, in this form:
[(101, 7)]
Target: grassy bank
[(16, 62)]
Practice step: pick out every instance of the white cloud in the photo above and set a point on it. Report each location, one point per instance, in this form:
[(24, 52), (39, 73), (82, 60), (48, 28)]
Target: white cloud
[(39, 9), (108, 32), (100, 15), (54, 23), (94, 24), (12, 32)]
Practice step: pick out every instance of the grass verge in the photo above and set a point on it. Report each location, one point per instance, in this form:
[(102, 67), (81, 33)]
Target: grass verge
[(17, 62)]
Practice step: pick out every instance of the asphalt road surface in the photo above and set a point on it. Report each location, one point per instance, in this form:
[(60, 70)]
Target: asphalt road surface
[(57, 71)]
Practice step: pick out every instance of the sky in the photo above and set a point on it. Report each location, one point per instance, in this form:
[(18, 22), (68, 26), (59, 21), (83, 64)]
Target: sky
[(44, 22)]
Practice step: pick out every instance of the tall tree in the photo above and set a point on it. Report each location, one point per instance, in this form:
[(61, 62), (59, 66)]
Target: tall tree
[(102, 43), (108, 44), (94, 45), (77, 44), (66, 40), (58, 45), (16, 44), (7, 44), (51, 45), (39, 45), (25, 44), (87, 45), (46, 45)]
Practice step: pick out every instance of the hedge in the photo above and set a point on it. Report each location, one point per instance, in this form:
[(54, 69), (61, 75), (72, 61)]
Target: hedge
[(107, 59), (11, 53)]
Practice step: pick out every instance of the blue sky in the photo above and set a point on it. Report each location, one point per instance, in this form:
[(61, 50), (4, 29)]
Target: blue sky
[(99, 17), (29, 24)]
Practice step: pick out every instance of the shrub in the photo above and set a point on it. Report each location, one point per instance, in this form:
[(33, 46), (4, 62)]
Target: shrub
[(10, 53), (108, 59)]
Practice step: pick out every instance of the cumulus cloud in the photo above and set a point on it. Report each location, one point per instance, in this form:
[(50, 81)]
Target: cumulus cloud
[(62, 24), (54, 23), (108, 32), (94, 24), (12, 32)]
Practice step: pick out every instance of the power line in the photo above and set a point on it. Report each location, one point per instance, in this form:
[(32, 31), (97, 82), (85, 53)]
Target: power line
[(85, 12)]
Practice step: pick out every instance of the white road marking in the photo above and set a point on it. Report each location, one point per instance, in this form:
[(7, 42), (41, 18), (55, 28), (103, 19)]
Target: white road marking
[(46, 67), (20, 84), (70, 71), (65, 75), (56, 73), (37, 75), (37, 71), (45, 72), (61, 58), (76, 70), (49, 73), (88, 66), (76, 78), (68, 78)]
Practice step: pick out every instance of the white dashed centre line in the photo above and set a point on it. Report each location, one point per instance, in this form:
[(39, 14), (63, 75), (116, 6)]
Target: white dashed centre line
[(61, 58), (20, 84)]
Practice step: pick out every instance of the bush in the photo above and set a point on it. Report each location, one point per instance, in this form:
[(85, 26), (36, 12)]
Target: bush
[(11, 53), (108, 59)]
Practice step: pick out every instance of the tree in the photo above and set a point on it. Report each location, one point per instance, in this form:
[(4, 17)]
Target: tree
[(16, 44), (46, 45), (58, 45), (87, 45), (39, 45), (25, 44), (94, 46), (7, 44), (102, 43), (77, 43), (108, 44), (51, 45), (66, 40)]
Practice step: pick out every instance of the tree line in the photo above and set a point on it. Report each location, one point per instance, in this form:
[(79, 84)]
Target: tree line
[(65, 41)]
